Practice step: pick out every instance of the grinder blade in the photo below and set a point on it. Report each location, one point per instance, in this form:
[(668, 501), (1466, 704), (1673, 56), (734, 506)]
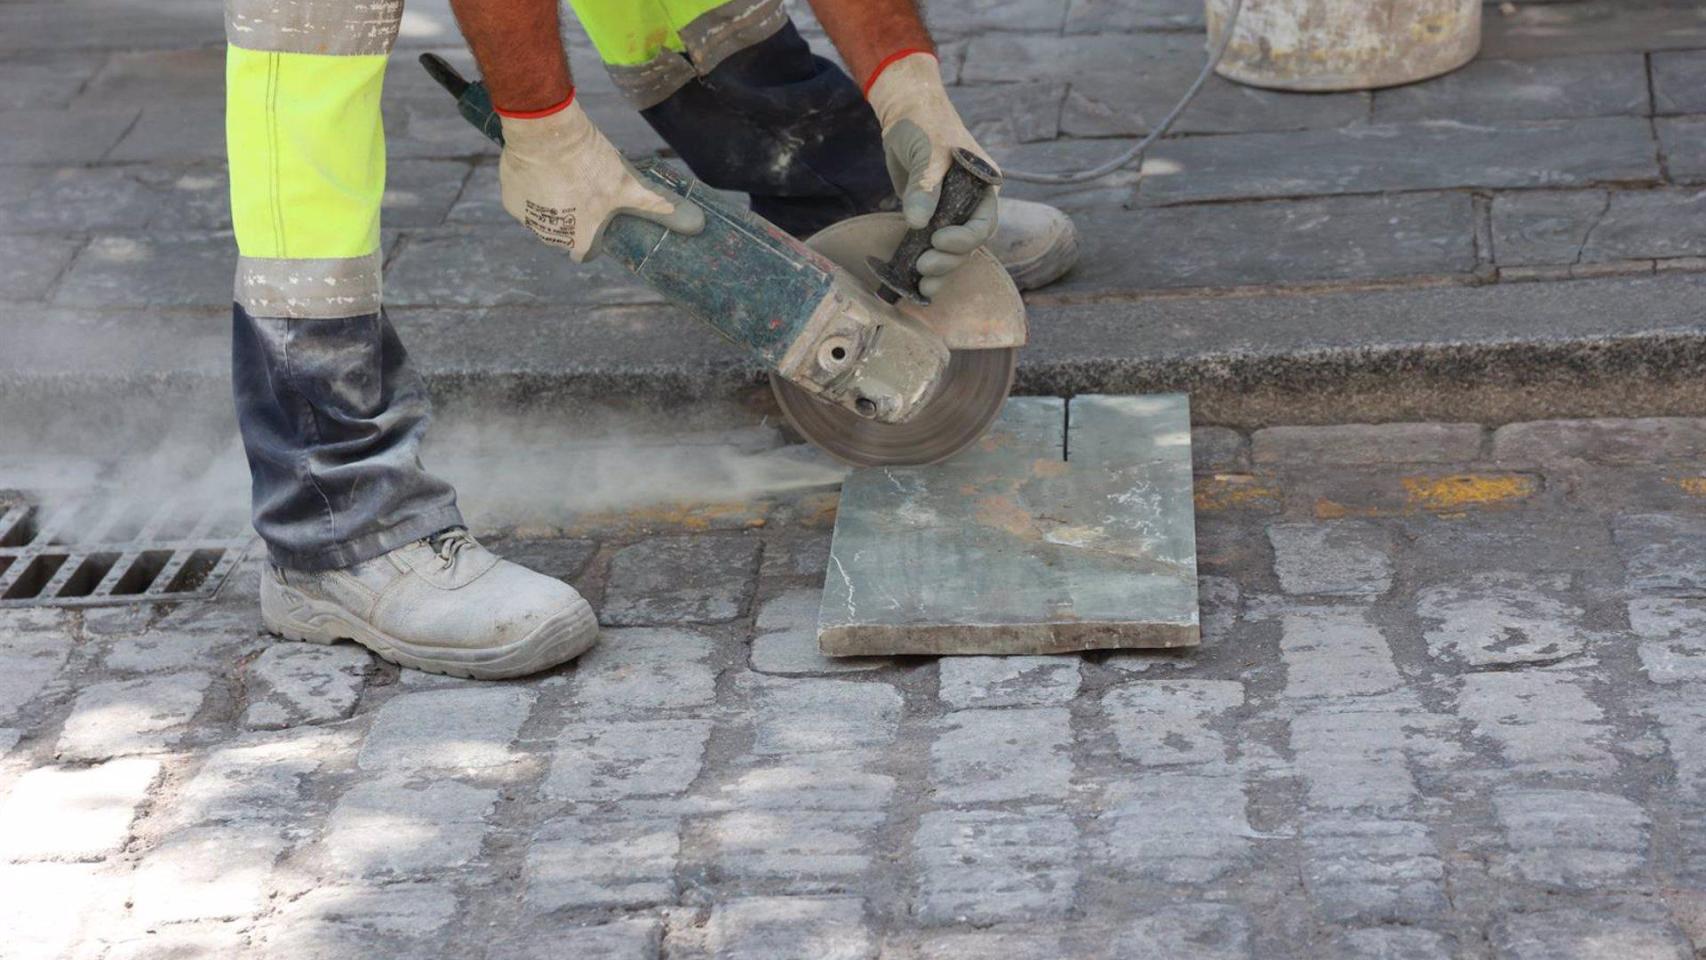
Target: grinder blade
[(973, 389), (980, 315)]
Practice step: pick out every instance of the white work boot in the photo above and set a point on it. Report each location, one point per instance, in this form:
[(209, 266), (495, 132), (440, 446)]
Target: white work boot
[(443, 604), (1035, 242)]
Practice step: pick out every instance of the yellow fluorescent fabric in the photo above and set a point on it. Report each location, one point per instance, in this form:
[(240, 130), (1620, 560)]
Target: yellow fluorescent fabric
[(307, 152), (631, 32)]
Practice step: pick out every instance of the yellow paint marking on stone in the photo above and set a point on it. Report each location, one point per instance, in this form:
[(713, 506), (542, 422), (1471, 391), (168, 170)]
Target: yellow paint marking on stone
[(1693, 486), (1461, 491), (1234, 491)]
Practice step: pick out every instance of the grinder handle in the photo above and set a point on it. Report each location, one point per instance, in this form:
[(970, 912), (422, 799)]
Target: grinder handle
[(963, 187)]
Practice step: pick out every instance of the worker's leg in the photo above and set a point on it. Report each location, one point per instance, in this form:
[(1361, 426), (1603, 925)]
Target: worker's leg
[(331, 413), (741, 98)]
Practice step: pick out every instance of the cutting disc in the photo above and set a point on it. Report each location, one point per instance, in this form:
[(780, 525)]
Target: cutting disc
[(979, 303)]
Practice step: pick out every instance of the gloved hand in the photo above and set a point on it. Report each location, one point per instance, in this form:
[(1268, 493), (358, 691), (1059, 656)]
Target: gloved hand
[(921, 128), (564, 181)]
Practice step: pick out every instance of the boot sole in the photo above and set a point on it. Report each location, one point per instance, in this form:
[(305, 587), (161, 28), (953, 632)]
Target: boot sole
[(558, 640), (1049, 266)]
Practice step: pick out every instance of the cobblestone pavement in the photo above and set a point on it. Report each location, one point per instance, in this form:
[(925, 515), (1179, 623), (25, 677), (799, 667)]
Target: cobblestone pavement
[(1448, 705)]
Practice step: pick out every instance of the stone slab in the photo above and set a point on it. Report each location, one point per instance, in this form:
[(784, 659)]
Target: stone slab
[(1682, 141), (1411, 156), (1033, 541), (1679, 82), (1500, 91)]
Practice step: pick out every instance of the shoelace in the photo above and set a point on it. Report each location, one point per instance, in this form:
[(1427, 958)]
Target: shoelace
[(450, 544)]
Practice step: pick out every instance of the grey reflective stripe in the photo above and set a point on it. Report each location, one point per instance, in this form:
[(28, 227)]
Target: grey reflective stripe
[(649, 84), (730, 28), (337, 27), (308, 289)]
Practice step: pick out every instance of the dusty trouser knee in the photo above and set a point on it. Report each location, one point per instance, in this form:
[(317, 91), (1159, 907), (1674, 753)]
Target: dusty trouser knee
[(741, 98), (331, 413)]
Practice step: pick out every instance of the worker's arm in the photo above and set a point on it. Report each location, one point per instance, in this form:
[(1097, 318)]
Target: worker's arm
[(559, 175), (890, 53)]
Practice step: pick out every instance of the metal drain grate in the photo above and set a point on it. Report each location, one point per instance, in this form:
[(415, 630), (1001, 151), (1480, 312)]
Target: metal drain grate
[(90, 553)]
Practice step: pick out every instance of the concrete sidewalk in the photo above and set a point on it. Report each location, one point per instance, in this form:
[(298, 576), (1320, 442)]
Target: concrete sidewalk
[(1449, 706), (1528, 225)]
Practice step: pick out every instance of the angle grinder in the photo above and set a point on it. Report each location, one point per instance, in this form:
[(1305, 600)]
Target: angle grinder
[(861, 364)]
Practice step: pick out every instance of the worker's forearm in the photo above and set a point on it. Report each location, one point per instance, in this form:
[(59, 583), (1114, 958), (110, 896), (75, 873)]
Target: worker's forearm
[(869, 31), (519, 46)]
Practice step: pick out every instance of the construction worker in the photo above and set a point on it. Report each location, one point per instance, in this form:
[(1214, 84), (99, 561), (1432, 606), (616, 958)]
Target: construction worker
[(363, 542)]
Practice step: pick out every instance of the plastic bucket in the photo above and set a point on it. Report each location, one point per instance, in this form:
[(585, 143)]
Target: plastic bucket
[(1345, 44)]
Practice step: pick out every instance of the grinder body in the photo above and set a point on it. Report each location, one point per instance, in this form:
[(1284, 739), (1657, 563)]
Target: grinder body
[(794, 310)]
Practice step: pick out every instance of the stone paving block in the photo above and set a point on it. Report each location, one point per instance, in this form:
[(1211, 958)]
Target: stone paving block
[(615, 759), (639, 669), (702, 579), (1498, 618), (1664, 554), (1010, 944), (817, 784), (1167, 722), (1201, 931), (802, 851), (1562, 29), (1345, 558), (1673, 638), (500, 265), (299, 683), (341, 920), (1542, 721), (1612, 440), (1176, 826), (1679, 81), (167, 131), (49, 909), (186, 79), (30, 266), (965, 17), (1222, 245), (988, 756), (1392, 943), (1648, 225), (75, 199), (27, 662), (1682, 142), (1576, 839), (787, 638), (784, 928), (44, 80), (1544, 226), (1008, 681), (1123, 16), (61, 136), (1682, 722), (156, 271), (182, 941), (186, 197), (400, 828), (1553, 153), (637, 939), (1506, 91), (419, 193), (1044, 563), (1367, 443), (1114, 190), (583, 863), (459, 728), (564, 559), (206, 873), (1368, 869), (73, 813), (258, 778), (798, 555), (162, 652), (816, 716), (986, 866), (1011, 112), (1124, 85), (117, 717), (1219, 449), (1588, 932), (1335, 652), (1352, 754)]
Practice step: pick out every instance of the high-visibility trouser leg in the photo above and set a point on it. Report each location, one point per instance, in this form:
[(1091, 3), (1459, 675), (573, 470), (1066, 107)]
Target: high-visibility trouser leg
[(330, 410), (652, 48)]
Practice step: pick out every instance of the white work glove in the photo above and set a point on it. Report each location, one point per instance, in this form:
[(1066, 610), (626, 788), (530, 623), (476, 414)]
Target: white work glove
[(562, 179), (921, 128)]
